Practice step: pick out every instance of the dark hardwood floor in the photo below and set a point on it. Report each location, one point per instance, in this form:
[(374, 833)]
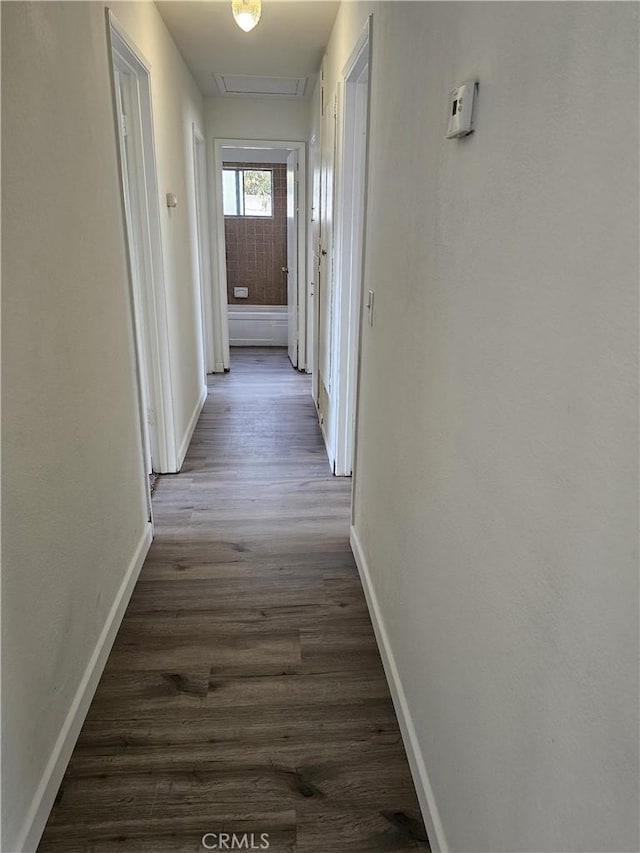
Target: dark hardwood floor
[(244, 692)]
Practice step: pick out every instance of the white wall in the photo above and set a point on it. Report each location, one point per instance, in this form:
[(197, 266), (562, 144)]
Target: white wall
[(495, 490), (255, 155), (177, 106), (74, 514), (256, 118), (75, 517)]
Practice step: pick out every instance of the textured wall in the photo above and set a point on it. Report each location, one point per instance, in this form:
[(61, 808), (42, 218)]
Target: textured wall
[(256, 246), (73, 482), (257, 118), (73, 511), (496, 474)]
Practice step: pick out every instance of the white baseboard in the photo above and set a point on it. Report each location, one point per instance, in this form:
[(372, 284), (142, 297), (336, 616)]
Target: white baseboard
[(421, 781), (325, 439), (186, 441), (42, 803)]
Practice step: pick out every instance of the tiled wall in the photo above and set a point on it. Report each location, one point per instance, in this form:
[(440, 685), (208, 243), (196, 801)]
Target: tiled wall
[(257, 246)]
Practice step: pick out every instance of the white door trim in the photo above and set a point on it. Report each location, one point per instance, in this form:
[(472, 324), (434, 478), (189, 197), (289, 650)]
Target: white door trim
[(350, 246), (313, 255), (202, 232), (151, 301), (293, 207), (219, 264)]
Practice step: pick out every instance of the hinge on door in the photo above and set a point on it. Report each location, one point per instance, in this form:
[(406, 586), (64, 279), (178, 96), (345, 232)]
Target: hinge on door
[(124, 124)]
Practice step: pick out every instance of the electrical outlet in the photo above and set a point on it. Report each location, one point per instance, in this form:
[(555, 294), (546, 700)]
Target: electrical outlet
[(241, 292)]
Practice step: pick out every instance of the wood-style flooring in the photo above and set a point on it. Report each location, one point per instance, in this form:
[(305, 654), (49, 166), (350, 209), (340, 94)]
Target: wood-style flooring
[(244, 693)]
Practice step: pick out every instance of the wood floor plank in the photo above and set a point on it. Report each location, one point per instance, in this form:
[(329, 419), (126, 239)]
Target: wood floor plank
[(244, 692)]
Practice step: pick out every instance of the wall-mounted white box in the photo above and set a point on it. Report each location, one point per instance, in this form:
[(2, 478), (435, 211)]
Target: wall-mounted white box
[(461, 110), (241, 292)]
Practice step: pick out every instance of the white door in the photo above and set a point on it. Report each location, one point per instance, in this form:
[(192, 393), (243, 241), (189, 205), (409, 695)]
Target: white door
[(136, 158), (325, 300), (351, 247), (292, 255), (130, 169), (200, 184)]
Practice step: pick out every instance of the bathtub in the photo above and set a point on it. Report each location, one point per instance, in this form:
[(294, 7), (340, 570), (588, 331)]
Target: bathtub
[(258, 325)]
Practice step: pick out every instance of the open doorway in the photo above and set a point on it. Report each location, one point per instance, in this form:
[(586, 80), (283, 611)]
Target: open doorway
[(259, 191)]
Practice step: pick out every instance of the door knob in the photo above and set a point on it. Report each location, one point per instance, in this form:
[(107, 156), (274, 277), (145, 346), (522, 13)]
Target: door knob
[(324, 252)]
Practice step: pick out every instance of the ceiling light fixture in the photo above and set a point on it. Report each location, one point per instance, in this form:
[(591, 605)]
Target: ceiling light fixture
[(246, 13)]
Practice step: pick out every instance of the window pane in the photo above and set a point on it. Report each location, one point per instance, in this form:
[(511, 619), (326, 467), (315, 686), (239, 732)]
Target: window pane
[(229, 193), (257, 192)]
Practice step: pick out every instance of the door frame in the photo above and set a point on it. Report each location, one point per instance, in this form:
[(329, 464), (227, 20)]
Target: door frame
[(203, 250), (148, 293), (351, 229), (326, 277), (292, 256), (219, 264), (313, 257)]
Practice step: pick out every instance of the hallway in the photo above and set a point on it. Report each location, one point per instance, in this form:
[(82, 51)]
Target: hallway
[(244, 692)]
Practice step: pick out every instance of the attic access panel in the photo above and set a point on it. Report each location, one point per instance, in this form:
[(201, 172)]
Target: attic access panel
[(252, 86)]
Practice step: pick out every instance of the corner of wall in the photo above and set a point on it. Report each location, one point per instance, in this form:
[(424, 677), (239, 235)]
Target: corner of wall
[(193, 420)]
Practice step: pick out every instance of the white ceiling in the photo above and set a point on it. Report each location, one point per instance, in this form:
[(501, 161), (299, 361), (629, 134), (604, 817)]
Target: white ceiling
[(289, 40)]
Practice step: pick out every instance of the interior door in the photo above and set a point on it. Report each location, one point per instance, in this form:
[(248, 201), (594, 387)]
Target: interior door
[(326, 266), (200, 182), (134, 230), (292, 255), (314, 265)]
